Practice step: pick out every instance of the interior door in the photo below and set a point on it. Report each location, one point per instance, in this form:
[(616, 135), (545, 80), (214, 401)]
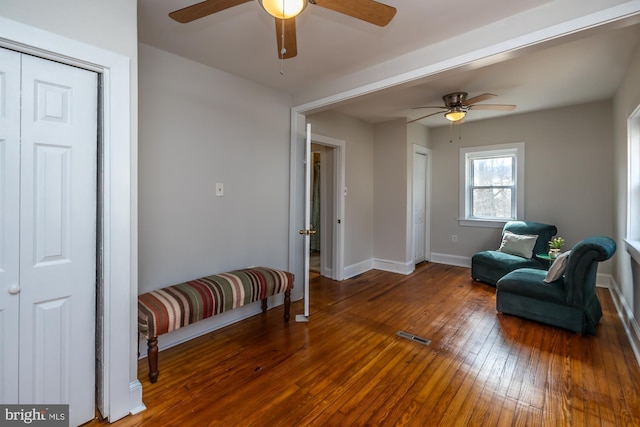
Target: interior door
[(419, 205), (306, 231), (9, 214), (52, 238)]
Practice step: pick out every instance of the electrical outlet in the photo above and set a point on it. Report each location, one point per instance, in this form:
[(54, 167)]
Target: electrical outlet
[(219, 189), (454, 238)]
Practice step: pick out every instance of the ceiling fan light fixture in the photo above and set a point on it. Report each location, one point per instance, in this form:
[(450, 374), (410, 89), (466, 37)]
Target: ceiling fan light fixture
[(455, 115), (283, 9)]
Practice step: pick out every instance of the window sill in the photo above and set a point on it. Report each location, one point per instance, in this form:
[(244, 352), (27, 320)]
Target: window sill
[(633, 247)]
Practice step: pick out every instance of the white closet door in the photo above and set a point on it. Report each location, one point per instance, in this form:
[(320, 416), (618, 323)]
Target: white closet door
[(58, 236), (9, 218), (419, 200)]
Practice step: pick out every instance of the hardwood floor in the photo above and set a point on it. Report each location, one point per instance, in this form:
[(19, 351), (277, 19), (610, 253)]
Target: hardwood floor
[(347, 366)]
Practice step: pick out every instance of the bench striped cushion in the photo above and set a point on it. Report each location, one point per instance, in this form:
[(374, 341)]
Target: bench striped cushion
[(167, 309)]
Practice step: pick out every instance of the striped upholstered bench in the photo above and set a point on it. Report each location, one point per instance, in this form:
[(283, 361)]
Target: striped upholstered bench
[(167, 309)]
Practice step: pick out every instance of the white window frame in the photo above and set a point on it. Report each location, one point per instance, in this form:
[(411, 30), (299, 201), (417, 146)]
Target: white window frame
[(633, 178), (467, 154)]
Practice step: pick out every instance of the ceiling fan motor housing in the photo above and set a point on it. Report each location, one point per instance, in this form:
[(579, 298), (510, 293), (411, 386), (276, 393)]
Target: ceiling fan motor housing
[(455, 99)]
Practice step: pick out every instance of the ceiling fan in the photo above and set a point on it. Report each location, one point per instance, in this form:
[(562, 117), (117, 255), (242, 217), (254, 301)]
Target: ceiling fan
[(285, 11), (456, 105)]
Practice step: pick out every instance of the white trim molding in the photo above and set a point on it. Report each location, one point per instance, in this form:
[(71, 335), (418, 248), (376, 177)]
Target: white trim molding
[(122, 392), (448, 259), (629, 322), (394, 266), (467, 154)]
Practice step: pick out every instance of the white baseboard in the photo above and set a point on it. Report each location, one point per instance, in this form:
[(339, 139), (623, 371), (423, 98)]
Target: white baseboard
[(135, 395), (355, 269), (394, 266), (378, 264), (604, 280), (627, 318), (457, 260)]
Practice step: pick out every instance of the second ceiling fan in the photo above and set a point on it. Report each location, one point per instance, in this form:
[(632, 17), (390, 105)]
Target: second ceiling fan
[(456, 105), (285, 11)]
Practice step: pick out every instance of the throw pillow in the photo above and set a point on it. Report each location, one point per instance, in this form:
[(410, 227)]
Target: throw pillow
[(518, 244), (557, 268)]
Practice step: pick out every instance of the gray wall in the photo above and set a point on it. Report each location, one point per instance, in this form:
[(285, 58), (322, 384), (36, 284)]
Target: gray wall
[(390, 191), (358, 221), (200, 126), (568, 174), (379, 179), (626, 101)]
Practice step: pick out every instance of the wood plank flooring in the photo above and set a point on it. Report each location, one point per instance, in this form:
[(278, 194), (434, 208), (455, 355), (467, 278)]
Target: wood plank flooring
[(347, 366)]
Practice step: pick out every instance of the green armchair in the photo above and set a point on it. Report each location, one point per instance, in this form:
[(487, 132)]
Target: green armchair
[(570, 301), (490, 266)]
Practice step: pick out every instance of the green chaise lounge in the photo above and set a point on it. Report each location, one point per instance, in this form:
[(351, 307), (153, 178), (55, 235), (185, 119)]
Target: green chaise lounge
[(490, 266), (569, 301)]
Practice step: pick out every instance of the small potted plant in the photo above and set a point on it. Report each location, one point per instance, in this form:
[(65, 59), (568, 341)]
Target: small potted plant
[(555, 245)]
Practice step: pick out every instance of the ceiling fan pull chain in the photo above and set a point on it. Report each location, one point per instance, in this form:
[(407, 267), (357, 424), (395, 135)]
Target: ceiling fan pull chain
[(284, 49)]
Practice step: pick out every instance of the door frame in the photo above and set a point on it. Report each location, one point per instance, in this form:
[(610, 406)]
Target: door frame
[(420, 150), (121, 393), (296, 202), (337, 215)]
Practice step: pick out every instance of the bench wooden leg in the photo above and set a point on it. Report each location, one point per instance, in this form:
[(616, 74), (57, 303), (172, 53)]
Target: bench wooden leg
[(152, 355), (287, 305)]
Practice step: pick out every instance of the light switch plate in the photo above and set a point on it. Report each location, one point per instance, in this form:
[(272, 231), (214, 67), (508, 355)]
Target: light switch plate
[(219, 189)]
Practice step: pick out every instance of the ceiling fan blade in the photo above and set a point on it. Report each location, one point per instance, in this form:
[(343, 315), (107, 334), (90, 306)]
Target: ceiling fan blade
[(428, 115), (497, 107), (366, 10), (205, 8), (430, 106), (479, 98), (288, 37)]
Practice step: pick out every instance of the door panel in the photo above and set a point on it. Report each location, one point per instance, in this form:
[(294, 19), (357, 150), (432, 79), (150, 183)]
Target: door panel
[(58, 236), (9, 217), (419, 198), (307, 223)]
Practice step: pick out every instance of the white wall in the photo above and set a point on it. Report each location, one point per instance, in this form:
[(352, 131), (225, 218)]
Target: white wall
[(626, 101), (358, 221), (200, 126), (568, 174)]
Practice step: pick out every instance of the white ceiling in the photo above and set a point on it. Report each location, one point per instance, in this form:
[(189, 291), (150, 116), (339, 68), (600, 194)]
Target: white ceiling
[(242, 41)]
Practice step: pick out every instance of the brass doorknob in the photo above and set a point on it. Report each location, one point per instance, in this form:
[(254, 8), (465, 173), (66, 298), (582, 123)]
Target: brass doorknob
[(307, 232)]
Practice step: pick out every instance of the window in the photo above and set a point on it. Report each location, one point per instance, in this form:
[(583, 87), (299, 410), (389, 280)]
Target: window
[(491, 180), (633, 179)]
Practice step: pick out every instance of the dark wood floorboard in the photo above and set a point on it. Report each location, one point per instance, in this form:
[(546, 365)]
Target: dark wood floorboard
[(347, 366)]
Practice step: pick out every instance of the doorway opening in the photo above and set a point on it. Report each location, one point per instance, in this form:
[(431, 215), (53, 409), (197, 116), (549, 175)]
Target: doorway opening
[(322, 200), (315, 245), (327, 207)]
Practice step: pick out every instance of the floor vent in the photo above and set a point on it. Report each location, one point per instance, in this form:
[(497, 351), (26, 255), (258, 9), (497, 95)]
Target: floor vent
[(413, 337)]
